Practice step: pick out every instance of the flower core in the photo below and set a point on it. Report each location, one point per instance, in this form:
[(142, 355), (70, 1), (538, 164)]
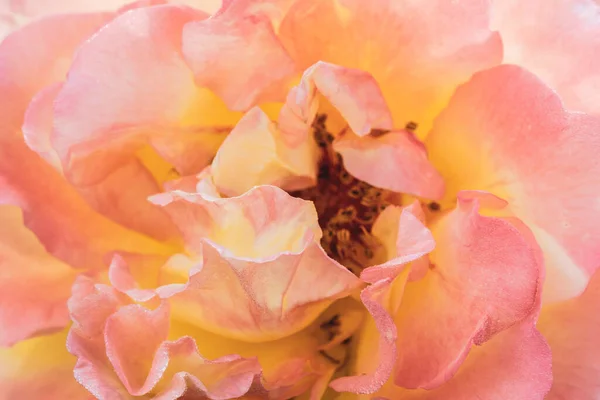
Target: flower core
[(347, 207)]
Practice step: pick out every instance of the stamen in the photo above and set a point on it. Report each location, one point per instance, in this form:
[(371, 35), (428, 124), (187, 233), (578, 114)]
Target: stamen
[(347, 207)]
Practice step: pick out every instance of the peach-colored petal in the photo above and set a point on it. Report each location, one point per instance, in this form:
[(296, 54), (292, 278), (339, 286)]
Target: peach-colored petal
[(418, 51), (571, 328), (558, 40), (353, 93), (101, 120), (483, 279), (34, 287), (396, 161), (37, 55), (39, 368), (216, 48), (373, 298), (256, 147), (507, 133), (405, 238), (262, 248), (513, 365)]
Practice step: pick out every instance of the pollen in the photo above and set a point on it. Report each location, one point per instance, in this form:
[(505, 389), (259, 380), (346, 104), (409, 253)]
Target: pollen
[(347, 207)]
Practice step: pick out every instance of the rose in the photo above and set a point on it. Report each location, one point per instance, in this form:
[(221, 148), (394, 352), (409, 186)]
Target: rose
[(475, 243)]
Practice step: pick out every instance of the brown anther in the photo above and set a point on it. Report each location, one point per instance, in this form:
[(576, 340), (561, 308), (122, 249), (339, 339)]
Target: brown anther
[(433, 206), (411, 126)]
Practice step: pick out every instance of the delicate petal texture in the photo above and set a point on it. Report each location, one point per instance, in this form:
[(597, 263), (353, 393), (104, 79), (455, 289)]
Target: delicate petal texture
[(256, 147), (506, 132), (394, 160), (559, 41), (38, 55), (513, 365), (216, 49), (39, 368), (380, 367), (418, 51), (102, 118), (572, 329), (353, 93), (483, 278), (405, 239), (34, 287), (262, 249)]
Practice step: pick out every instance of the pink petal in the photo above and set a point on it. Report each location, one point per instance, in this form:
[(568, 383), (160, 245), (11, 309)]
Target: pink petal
[(354, 93), (262, 249), (396, 161), (513, 365), (216, 49), (373, 299), (39, 368), (256, 146), (34, 287), (507, 133), (102, 120), (483, 279), (417, 51), (571, 328), (405, 238), (37, 55), (558, 40)]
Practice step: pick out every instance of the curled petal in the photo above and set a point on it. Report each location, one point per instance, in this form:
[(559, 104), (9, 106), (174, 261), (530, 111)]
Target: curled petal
[(507, 133), (483, 279), (396, 161), (399, 43), (538, 34), (571, 329), (261, 248), (216, 48), (256, 146), (405, 238), (353, 93)]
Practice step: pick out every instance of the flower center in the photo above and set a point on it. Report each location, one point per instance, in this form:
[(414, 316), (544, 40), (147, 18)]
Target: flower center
[(347, 207)]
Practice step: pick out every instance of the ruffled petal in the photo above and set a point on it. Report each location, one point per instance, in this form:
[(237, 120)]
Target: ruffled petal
[(216, 49), (262, 249), (103, 120), (256, 146), (39, 368), (34, 287), (559, 41), (571, 328), (483, 278), (507, 133), (417, 51)]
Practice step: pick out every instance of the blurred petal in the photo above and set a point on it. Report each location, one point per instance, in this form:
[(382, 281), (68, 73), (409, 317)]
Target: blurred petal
[(102, 120), (571, 328), (483, 279), (34, 287), (39, 368), (559, 41), (395, 160), (262, 249), (507, 133), (256, 147), (216, 48), (37, 55), (417, 51)]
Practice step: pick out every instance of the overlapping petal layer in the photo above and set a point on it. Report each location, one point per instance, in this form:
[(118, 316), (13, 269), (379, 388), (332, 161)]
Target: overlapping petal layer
[(507, 133)]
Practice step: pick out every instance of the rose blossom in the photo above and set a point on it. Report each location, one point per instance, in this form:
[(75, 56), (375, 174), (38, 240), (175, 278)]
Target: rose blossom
[(299, 198)]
